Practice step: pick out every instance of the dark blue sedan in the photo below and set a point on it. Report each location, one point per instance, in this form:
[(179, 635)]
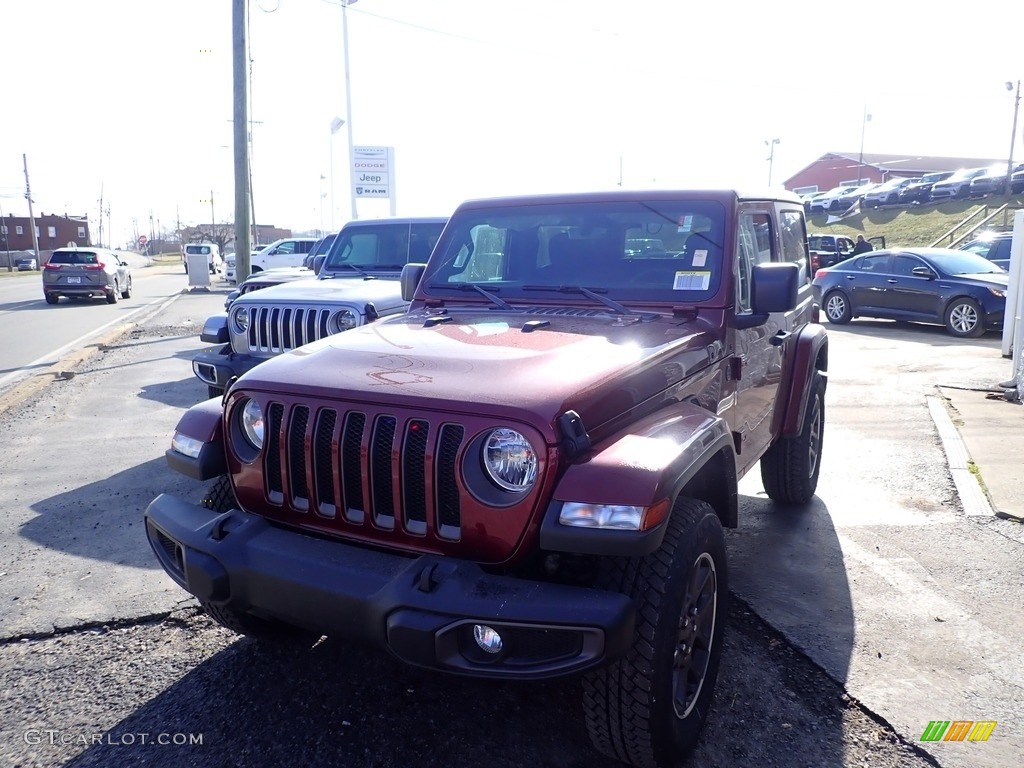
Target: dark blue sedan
[(962, 291)]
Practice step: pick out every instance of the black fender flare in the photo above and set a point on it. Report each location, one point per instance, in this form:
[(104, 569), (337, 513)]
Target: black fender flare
[(652, 461), (202, 422), (809, 359)]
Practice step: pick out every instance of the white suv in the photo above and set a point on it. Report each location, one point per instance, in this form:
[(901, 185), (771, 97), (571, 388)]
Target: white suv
[(287, 252)]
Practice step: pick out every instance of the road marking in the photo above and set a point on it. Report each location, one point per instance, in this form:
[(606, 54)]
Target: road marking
[(52, 358)]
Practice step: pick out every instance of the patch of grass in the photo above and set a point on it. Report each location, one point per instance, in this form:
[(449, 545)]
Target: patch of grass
[(975, 470), (921, 224)]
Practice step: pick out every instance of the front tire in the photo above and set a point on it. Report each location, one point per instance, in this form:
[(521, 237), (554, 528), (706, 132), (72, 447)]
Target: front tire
[(790, 467), (963, 318), (127, 292), (648, 708), (837, 308)]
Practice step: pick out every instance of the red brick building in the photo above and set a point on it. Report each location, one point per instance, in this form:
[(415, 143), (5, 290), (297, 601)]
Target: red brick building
[(52, 231)]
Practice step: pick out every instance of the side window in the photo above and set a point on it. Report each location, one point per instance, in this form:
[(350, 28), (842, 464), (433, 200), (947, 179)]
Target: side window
[(903, 264), (288, 246), (879, 263), (753, 246), (845, 245), (794, 240), (1002, 249)]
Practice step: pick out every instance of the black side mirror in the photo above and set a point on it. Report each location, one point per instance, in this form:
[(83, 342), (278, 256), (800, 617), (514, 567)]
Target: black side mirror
[(411, 274), (774, 287), (923, 272), (318, 262)]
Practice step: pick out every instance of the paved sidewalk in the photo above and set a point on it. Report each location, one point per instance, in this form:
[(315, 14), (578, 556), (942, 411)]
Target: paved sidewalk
[(986, 450)]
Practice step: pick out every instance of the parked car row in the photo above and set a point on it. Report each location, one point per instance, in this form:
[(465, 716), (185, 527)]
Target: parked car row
[(942, 185)]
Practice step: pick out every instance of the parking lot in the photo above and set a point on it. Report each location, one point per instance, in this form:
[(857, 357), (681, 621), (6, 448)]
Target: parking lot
[(879, 608)]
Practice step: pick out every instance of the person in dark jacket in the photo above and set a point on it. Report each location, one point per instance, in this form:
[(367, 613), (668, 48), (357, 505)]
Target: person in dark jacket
[(862, 245)]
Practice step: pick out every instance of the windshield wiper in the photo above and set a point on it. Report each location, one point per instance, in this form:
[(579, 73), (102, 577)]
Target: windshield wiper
[(589, 293), (328, 268), (474, 287)]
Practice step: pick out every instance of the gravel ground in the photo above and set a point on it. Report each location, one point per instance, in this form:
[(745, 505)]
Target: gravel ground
[(102, 696)]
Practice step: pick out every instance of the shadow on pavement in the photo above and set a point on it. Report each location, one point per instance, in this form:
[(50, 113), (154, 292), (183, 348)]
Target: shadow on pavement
[(103, 520), (788, 562)]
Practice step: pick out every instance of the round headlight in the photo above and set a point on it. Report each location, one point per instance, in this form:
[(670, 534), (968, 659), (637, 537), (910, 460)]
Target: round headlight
[(344, 320), (510, 460), (241, 319), (252, 424)]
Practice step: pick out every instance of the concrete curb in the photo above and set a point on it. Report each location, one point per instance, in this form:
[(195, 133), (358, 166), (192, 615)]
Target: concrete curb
[(972, 496)]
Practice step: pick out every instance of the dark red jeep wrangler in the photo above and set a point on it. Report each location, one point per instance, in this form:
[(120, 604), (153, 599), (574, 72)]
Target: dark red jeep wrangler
[(528, 474)]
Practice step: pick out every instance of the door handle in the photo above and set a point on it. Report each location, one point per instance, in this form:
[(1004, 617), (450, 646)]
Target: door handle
[(850, 277), (780, 338), (892, 282)]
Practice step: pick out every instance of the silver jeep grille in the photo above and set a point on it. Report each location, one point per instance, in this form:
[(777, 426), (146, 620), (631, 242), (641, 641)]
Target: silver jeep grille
[(276, 329)]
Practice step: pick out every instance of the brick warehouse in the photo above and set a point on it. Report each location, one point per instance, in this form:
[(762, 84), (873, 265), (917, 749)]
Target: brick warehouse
[(53, 232)]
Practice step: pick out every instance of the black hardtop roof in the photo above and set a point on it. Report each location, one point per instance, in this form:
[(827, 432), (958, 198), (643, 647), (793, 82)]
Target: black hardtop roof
[(396, 220), (726, 196)]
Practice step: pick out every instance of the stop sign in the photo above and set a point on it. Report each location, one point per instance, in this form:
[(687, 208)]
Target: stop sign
[(142, 239)]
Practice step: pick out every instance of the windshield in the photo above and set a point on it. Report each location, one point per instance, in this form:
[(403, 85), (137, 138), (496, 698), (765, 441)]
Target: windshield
[(524, 252), (383, 246)]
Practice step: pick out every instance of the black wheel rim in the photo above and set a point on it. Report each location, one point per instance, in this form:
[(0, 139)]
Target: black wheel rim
[(814, 437), (696, 635)]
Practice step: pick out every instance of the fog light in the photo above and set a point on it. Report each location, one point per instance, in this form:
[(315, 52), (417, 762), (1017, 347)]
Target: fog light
[(487, 638)]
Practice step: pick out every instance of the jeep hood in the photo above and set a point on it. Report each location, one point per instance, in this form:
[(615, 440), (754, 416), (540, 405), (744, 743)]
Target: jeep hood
[(483, 362), (384, 294)]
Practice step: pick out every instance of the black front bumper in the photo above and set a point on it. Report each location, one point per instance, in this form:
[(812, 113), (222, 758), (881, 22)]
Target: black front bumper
[(216, 367), (421, 608)]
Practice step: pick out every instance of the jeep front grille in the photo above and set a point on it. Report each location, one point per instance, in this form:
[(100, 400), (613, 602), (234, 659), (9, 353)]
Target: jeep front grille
[(353, 469), (276, 329)]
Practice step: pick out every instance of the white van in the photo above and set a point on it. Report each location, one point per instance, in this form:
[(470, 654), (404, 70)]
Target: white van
[(210, 250)]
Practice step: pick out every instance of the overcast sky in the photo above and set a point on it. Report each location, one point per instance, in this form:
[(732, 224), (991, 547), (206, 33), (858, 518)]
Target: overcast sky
[(132, 99)]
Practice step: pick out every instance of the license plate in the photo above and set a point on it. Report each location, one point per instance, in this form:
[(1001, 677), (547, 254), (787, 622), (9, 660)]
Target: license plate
[(72, 280)]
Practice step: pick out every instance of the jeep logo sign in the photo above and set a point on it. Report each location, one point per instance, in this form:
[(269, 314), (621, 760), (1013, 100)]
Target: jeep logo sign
[(371, 171)]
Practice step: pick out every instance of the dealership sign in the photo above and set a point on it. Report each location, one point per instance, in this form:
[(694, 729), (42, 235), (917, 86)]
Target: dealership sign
[(372, 171)]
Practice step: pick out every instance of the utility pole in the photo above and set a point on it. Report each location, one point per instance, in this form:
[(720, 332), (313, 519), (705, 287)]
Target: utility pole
[(7, 240), (1013, 134), (243, 184), (31, 216), (101, 215)]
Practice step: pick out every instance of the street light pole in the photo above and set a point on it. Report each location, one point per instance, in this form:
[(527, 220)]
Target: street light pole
[(1013, 133), (771, 157), (863, 129), (348, 106), (336, 124)]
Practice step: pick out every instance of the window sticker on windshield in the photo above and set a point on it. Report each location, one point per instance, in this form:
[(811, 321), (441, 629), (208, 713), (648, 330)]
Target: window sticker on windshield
[(700, 258), (691, 281), (685, 224)]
